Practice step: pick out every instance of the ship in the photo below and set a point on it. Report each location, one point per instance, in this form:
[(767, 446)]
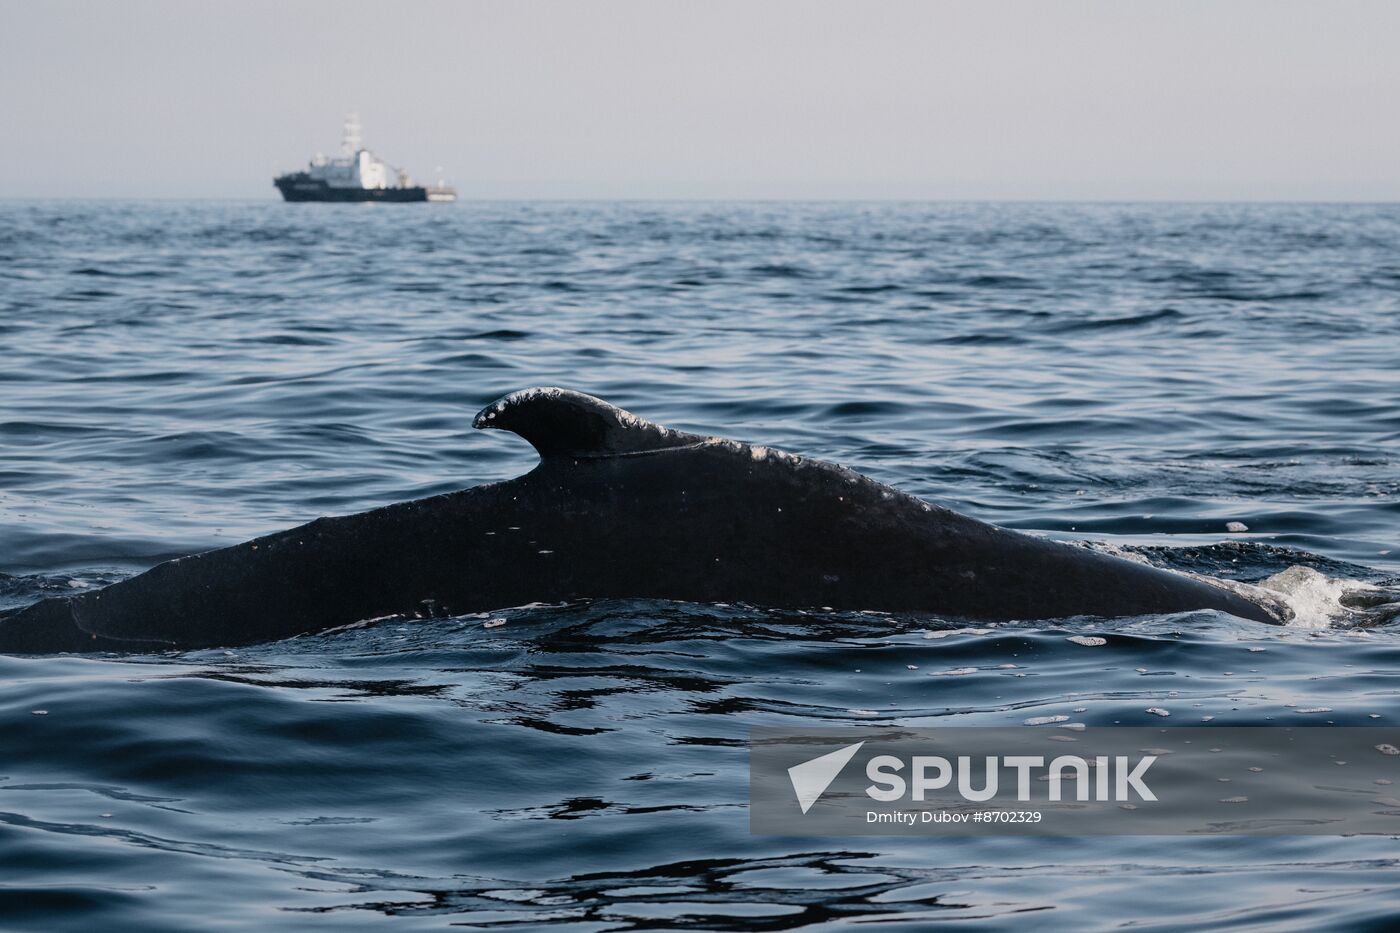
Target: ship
[(357, 175)]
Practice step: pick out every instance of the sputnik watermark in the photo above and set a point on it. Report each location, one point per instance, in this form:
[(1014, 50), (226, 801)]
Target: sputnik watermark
[(1106, 780), (1118, 778)]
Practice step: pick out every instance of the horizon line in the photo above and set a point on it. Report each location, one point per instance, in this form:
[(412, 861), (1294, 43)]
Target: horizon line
[(733, 200)]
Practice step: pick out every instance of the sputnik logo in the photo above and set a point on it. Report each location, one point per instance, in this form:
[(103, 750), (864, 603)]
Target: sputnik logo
[(811, 778)]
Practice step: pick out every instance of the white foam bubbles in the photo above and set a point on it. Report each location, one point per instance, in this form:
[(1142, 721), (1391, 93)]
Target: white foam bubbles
[(1315, 598)]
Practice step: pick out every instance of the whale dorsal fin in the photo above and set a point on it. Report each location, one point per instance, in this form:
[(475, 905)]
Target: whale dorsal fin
[(565, 423)]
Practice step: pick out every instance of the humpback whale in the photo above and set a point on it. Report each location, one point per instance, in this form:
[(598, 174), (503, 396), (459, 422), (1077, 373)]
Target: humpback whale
[(618, 507)]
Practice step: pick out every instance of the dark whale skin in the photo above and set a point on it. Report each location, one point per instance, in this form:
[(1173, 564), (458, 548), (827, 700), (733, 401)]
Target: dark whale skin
[(617, 507)]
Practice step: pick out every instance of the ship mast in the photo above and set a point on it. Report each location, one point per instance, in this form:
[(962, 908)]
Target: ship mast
[(350, 138)]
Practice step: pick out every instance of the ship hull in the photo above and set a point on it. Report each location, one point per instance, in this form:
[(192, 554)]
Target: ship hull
[(302, 187)]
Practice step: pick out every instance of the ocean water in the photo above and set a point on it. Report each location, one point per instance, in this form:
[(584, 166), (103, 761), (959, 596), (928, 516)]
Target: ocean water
[(177, 376)]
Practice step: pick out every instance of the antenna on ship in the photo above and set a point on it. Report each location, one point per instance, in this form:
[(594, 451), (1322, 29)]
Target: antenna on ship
[(350, 138)]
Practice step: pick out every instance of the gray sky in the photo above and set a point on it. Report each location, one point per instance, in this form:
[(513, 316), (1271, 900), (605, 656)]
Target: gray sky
[(1058, 99)]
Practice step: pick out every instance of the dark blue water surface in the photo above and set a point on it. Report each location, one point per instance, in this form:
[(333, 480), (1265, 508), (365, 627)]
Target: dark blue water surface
[(180, 376)]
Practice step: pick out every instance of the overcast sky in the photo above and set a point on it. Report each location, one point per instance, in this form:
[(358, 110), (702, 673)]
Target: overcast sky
[(1053, 99)]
